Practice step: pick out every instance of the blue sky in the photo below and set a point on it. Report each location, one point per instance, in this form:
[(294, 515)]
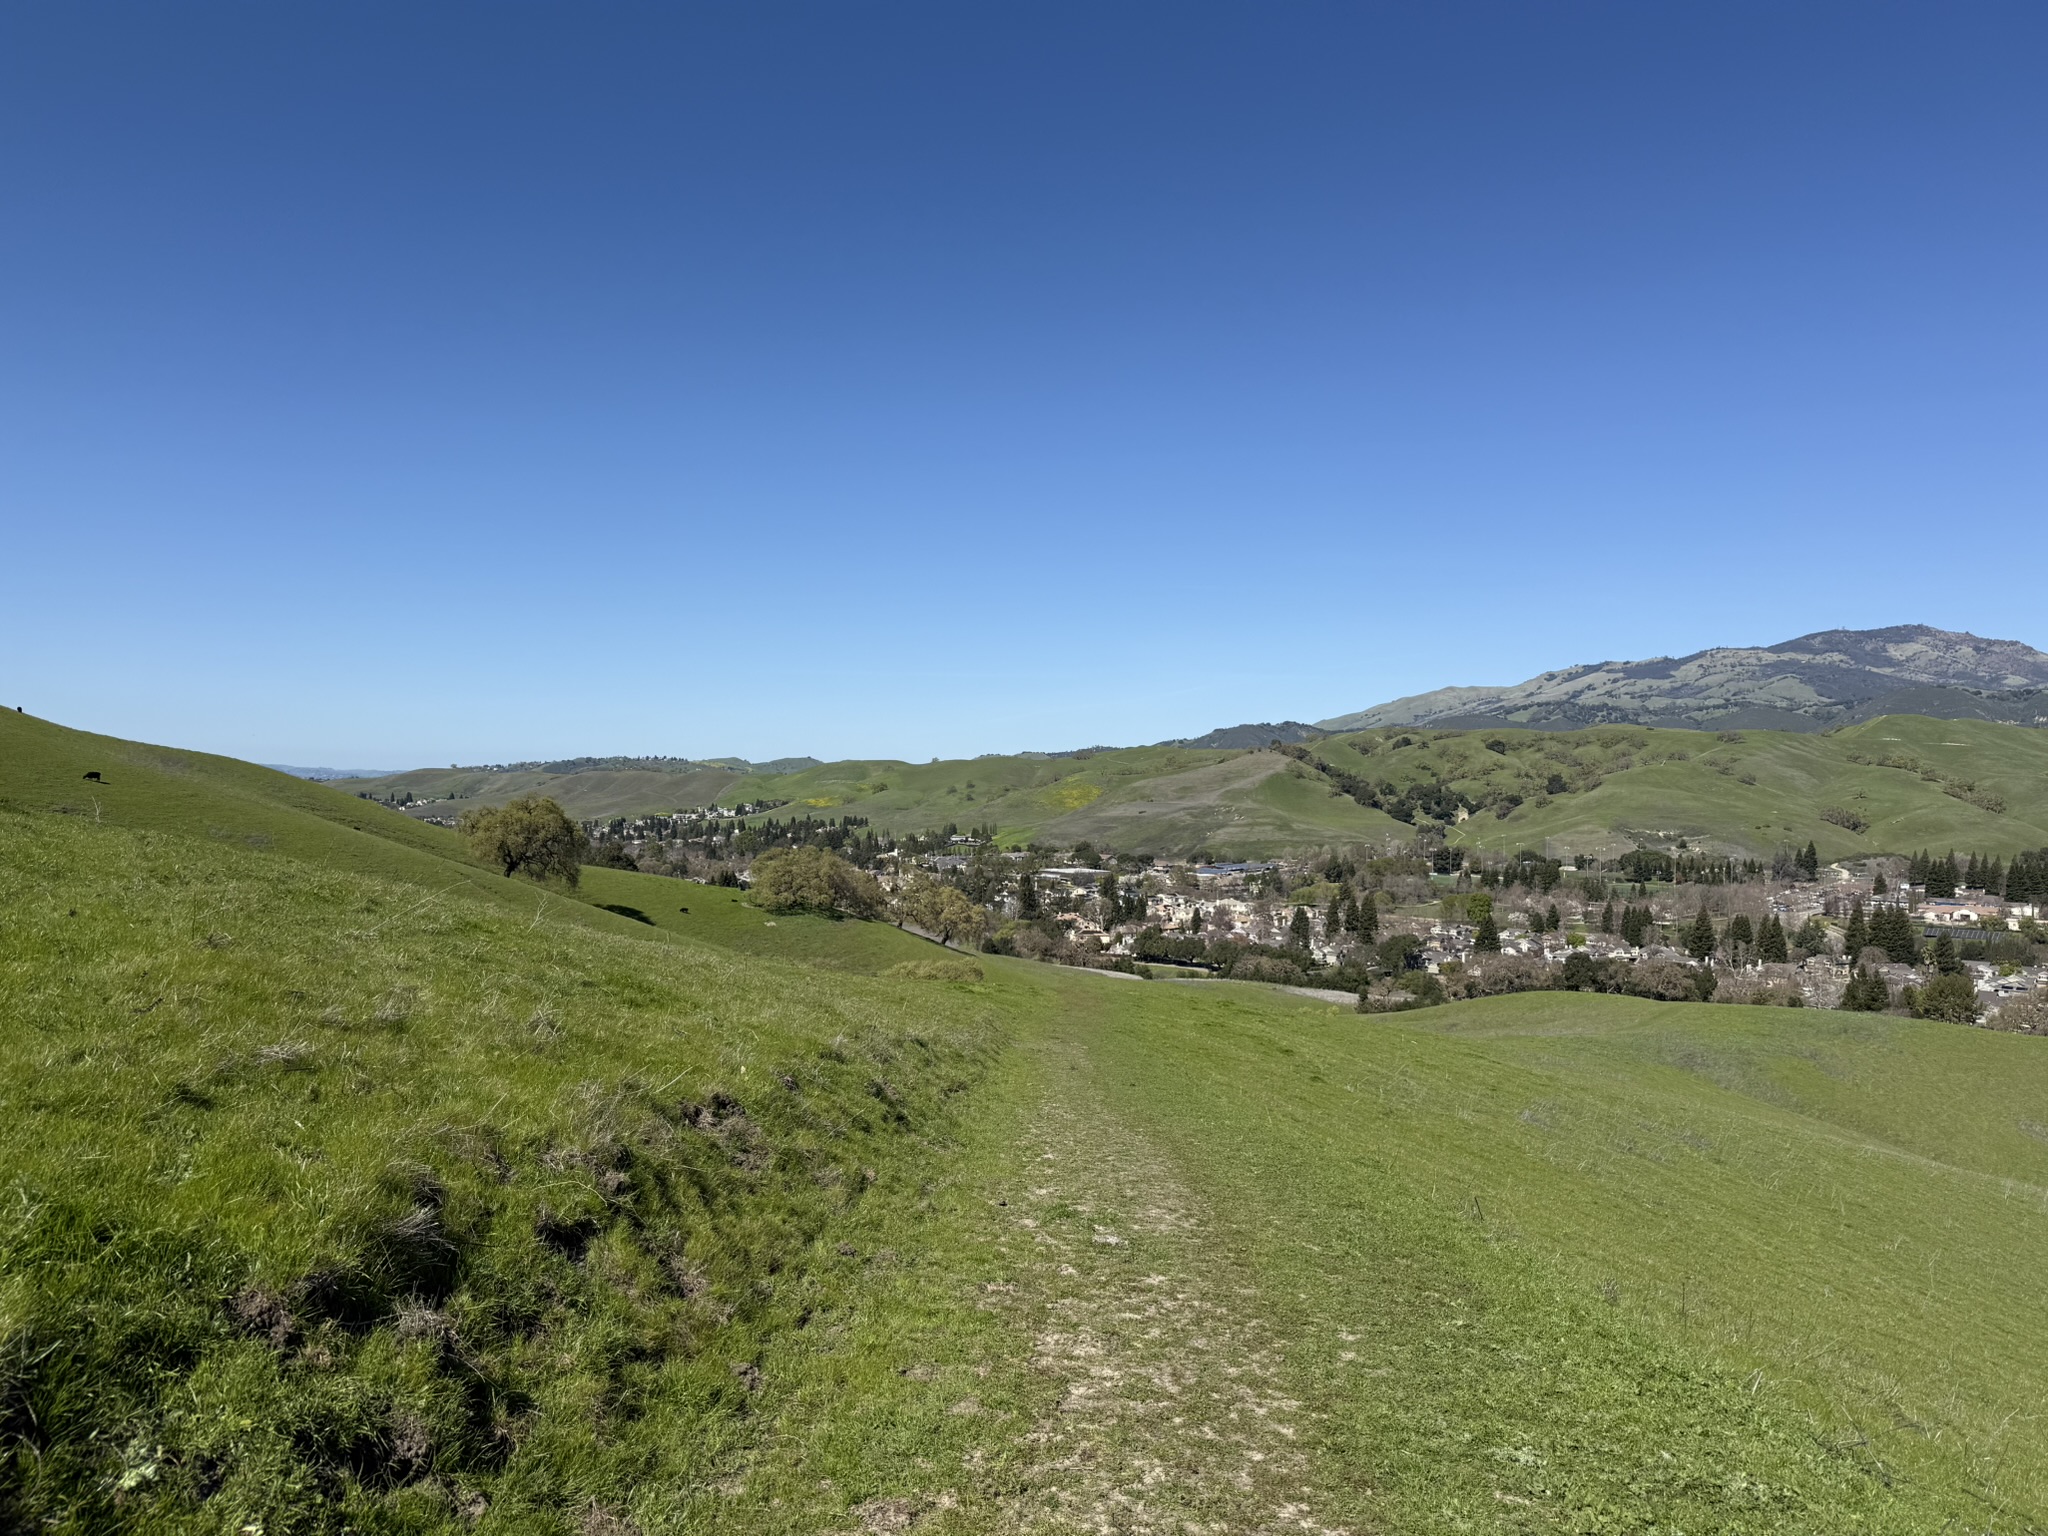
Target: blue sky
[(392, 384)]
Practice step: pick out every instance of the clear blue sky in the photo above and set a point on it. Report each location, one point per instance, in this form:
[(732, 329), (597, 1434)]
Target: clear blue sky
[(395, 384)]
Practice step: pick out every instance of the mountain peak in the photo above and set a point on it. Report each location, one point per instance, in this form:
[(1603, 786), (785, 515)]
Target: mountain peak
[(1804, 684)]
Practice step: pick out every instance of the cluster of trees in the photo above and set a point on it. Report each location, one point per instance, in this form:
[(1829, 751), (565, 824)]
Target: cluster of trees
[(1938, 876), (1525, 868), (1355, 914), (1643, 865), (1435, 799), (1232, 958), (815, 879), (1942, 875), (1950, 996), (916, 843), (1119, 903), (1796, 863), (1739, 938), (1888, 928), (1492, 975), (1636, 926), (2027, 878), (670, 844)]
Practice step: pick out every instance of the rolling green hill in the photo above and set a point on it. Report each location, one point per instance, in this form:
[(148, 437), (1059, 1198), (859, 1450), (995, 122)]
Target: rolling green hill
[(586, 793), (1955, 783), (43, 769), (327, 1204), (1911, 782)]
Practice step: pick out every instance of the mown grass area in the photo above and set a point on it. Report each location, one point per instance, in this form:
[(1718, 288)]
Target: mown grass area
[(334, 1205)]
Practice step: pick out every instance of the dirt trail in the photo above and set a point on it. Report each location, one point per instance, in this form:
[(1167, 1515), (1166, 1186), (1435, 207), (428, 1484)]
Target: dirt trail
[(1173, 1416)]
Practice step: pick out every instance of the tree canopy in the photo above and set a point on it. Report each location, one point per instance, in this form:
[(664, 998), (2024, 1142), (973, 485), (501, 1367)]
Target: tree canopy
[(814, 880), (941, 910), (530, 836)]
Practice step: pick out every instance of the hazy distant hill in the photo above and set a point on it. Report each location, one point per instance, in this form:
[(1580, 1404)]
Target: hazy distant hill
[(319, 774), (1807, 684), (1239, 738)]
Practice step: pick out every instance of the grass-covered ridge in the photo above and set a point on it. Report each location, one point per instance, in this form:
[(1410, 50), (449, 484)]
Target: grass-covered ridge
[(44, 770), (333, 1202), (1884, 786)]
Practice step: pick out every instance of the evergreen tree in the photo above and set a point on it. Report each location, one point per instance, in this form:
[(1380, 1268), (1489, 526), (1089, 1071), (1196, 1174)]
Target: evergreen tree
[(1607, 918), (1552, 920), (1809, 863), (1945, 960), (1112, 907), (1770, 941), (1892, 931), (1877, 885), (1298, 929), (1866, 993), (1486, 938), (1699, 939), (1027, 892), (1916, 868), (1635, 925), (1333, 919), (1368, 917), (1740, 935), (1855, 937)]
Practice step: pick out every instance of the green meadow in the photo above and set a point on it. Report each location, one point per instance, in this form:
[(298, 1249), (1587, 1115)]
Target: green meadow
[(345, 1186)]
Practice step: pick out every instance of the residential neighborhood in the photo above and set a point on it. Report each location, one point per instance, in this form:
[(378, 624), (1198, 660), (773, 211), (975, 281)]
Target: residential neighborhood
[(1407, 925)]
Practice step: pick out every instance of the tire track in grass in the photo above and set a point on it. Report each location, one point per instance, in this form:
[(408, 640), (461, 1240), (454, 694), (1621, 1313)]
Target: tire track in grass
[(1173, 1413)]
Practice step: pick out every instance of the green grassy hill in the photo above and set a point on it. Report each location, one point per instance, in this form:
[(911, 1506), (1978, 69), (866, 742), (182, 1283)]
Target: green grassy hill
[(1952, 783), (587, 794), (1912, 782), (231, 803), (328, 1203)]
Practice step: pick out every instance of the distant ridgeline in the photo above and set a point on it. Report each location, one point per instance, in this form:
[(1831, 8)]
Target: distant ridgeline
[(1834, 677), (642, 765)]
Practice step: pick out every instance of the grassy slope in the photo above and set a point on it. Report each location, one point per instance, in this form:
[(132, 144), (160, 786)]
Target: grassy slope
[(1625, 783), (1763, 1196), (1537, 1263), (1024, 797), (324, 1205), (1629, 783), (232, 803), (586, 796), (725, 918)]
